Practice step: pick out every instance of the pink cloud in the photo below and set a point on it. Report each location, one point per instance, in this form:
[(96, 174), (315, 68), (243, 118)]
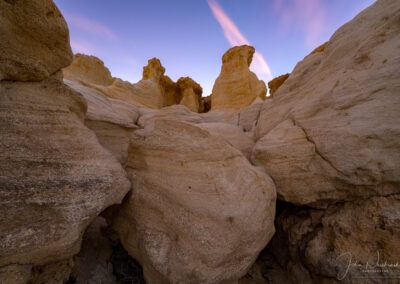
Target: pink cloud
[(81, 47), (91, 26), (307, 17), (235, 37)]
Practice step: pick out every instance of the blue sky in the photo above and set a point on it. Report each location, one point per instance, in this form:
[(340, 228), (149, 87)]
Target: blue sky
[(190, 36)]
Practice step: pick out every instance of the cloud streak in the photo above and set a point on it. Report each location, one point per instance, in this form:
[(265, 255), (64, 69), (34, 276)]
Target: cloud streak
[(91, 26), (307, 17), (79, 46), (235, 37)]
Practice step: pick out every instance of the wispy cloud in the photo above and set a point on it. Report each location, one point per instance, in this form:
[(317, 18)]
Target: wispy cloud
[(307, 17), (91, 26), (79, 46), (235, 37)]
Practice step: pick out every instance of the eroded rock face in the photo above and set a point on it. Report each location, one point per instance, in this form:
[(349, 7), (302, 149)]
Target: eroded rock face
[(155, 90), (91, 72), (231, 134), (89, 69), (236, 86), (190, 93), (204, 212), (55, 176), (275, 83), (317, 245), (34, 40), (112, 120), (333, 127)]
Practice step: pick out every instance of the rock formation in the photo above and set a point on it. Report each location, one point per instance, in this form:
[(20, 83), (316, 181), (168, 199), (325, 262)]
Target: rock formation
[(318, 129), (202, 203), (34, 40), (55, 176), (190, 93), (275, 83), (206, 215), (236, 86), (112, 120), (329, 139), (88, 70), (155, 90)]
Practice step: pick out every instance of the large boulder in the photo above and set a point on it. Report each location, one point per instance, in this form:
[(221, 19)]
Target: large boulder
[(34, 40), (199, 211), (55, 178), (333, 127), (236, 86)]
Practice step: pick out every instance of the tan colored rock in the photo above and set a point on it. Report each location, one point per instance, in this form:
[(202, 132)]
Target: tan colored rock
[(205, 212), (225, 115), (206, 103), (88, 69), (34, 40), (190, 93), (112, 120), (55, 178), (146, 93), (236, 86), (275, 83), (320, 48), (175, 112), (172, 94), (333, 127), (231, 134)]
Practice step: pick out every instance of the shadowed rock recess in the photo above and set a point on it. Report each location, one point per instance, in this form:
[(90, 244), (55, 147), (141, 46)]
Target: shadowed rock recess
[(105, 181)]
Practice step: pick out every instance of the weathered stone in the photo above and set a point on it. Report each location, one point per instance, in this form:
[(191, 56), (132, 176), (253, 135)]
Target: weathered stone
[(190, 93), (236, 86), (112, 120), (34, 40), (275, 83), (333, 127), (55, 177), (205, 212)]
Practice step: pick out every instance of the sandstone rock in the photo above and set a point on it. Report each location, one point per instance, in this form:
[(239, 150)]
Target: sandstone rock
[(315, 246), (236, 86), (190, 93), (92, 73), (333, 127), (247, 118), (225, 115), (175, 112), (112, 120), (275, 83), (204, 212), (319, 48), (172, 94), (88, 69), (55, 178), (231, 134), (34, 40)]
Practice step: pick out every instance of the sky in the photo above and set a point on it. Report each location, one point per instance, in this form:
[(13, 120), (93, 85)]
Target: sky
[(190, 36)]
